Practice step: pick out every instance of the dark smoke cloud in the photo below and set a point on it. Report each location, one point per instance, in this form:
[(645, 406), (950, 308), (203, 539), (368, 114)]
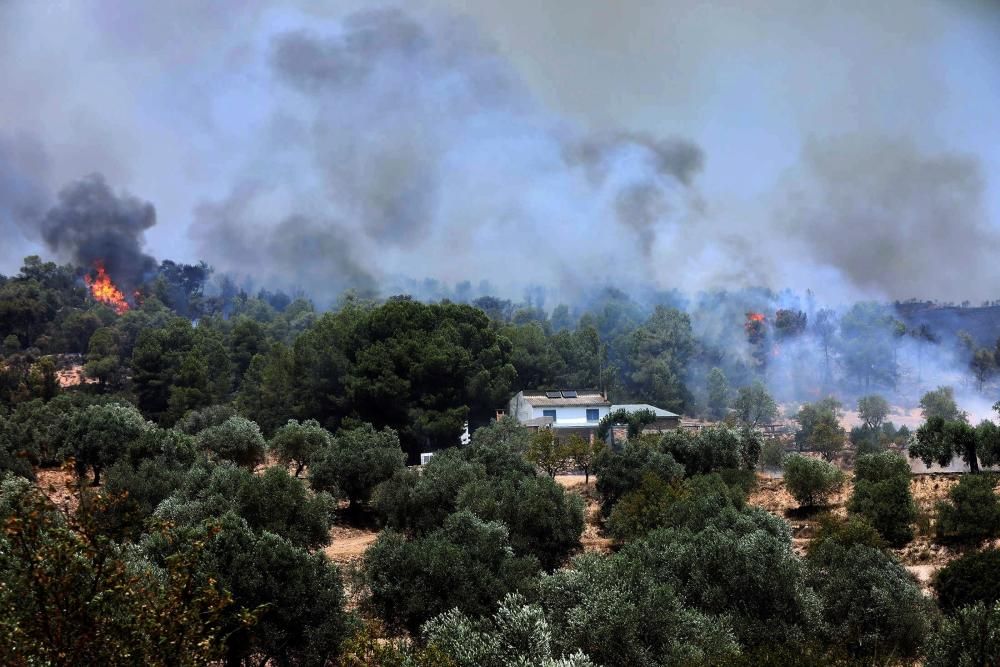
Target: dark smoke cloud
[(895, 218), (90, 223), (311, 255)]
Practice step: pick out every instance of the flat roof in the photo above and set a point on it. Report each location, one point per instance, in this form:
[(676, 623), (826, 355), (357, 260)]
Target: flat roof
[(635, 407)]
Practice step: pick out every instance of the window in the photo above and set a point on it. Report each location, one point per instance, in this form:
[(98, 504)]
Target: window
[(593, 414), (549, 413)]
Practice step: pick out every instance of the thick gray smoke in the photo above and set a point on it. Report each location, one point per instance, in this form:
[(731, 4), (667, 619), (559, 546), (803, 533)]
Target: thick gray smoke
[(897, 219), (308, 145), (418, 151), (91, 224)]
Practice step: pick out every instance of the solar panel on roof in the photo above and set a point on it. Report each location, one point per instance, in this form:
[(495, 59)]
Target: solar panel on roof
[(569, 394), (553, 394)]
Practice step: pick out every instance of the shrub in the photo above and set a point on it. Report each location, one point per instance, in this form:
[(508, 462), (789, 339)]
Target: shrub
[(871, 605), (356, 461), (237, 439), (811, 481), (196, 421), (298, 443), (467, 564), (713, 449), (274, 501), (544, 521), (972, 511), (295, 597), (619, 473), (738, 563), (845, 532), (418, 502), (517, 633), (620, 614), (69, 599), (968, 580), (99, 435), (882, 495), (772, 455), (971, 637)]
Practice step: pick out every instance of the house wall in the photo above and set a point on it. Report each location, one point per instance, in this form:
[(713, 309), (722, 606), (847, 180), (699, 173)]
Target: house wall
[(519, 408), (571, 416)]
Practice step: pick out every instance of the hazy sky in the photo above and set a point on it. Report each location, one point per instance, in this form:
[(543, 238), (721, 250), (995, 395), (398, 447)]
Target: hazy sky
[(846, 146)]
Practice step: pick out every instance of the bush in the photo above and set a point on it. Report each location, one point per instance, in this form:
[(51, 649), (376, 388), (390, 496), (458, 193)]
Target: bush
[(544, 520), (972, 511), (418, 502), (274, 501), (196, 421), (871, 605), (237, 439), (99, 435), (882, 495), (467, 564), (811, 481), (68, 599), (298, 443), (621, 614), (517, 633), (845, 532), (296, 597), (619, 473), (969, 638), (656, 504), (772, 455), (356, 461), (713, 449), (968, 580)]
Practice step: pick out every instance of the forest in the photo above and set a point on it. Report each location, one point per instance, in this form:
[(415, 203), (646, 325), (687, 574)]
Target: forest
[(176, 461)]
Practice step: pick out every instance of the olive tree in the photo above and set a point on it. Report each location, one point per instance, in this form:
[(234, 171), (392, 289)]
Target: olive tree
[(99, 435), (299, 442), (882, 495), (811, 481), (356, 461), (237, 439)]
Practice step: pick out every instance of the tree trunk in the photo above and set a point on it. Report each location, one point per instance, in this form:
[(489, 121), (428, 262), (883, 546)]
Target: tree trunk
[(97, 476), (973, 461)]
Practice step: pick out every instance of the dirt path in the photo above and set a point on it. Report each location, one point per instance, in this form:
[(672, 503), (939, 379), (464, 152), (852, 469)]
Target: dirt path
[(349, 544)]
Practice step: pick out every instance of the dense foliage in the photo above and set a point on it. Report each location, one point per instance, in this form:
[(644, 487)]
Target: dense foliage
[(218, 438)]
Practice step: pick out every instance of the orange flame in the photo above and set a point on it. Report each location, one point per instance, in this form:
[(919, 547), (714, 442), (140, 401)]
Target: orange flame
[(104, 291), (755, 317)]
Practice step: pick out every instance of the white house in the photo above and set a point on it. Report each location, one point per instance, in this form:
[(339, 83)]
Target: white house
[(566, 411)]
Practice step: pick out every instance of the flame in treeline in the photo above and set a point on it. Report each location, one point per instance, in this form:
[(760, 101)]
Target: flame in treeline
[(755, 325), (104, 290)]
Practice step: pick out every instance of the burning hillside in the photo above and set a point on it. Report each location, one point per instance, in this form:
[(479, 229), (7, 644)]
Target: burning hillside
[(103, 289)]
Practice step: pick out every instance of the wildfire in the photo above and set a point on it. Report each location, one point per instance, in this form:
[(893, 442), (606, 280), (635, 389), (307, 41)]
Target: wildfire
[(755, 317), (105, 291)]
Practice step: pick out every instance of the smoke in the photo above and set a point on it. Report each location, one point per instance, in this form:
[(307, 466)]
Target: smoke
[(894, 218), (412, 149), (23, 170), (577, 144), (89, 223)]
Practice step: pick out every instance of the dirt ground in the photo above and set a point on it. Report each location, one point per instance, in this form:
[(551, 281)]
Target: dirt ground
[(593, 538), (348, 544), (922, 557), (59, 485)]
